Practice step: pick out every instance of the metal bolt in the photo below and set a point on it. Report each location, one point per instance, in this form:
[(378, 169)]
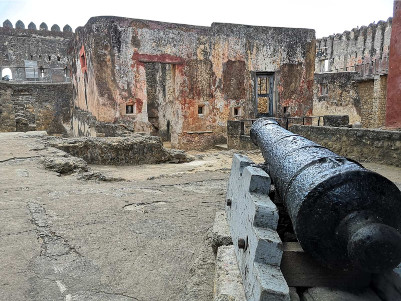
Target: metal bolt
[(229, 202), (241, 243)]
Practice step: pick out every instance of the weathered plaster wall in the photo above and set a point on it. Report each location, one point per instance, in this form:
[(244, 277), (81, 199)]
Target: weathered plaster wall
[(167, 71), (362, 99), (48, 48), (35, 107), (342, 96), (360, 144), (364, 50)]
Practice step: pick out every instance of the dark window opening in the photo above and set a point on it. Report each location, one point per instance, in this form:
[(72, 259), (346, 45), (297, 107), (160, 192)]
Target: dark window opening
[(50, 58), (200, 110), (40, 56), (31, 57), (285, 110), (237, 111), (58, 58), (324, 89), (129, 109)]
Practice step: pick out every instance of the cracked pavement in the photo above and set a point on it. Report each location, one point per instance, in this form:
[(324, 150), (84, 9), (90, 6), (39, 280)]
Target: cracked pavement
[(143, 238), (64, 238)]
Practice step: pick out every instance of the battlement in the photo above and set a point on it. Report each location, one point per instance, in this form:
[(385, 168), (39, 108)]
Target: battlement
[(363, 49), (43, 29)]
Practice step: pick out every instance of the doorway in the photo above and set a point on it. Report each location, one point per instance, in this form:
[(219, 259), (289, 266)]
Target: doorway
[(264, 87)]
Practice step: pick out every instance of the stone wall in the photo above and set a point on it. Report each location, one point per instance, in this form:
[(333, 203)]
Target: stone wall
[(49, 49), (337, 94), (134, 150), (170, 79), (352, 72), (363, 99), (359, 144), (364, 50), (85, 124), (372, 93), (238, 137), (30, 107)]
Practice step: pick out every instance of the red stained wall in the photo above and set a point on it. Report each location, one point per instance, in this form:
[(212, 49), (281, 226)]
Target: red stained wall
[(393, 105)]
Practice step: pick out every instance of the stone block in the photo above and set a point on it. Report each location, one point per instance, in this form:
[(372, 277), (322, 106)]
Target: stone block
[(336, 120), (220, 233), (253, 219), (227, 282)]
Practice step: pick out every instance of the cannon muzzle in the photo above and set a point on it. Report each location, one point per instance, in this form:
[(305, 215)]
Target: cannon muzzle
[(345, 216)]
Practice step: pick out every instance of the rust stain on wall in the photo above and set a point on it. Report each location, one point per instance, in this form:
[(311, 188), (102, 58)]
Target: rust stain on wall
[(234, 79), (188, 78)]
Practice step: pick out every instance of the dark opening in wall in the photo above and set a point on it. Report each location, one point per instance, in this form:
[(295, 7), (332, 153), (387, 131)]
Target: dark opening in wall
[(49, 57), (31, 57), (129, 109), (324, 89), (58, 58), (237, 111), (201, 110)]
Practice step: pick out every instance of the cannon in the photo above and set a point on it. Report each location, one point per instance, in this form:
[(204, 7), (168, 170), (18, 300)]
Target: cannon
[(343, 215)]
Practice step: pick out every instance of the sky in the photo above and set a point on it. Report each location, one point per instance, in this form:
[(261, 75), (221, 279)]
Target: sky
[(325, 16)]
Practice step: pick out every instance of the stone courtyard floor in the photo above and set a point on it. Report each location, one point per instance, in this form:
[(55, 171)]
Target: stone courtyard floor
[(143, 237)]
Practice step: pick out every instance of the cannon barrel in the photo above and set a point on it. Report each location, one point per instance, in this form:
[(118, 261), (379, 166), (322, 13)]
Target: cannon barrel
[(345, 216)]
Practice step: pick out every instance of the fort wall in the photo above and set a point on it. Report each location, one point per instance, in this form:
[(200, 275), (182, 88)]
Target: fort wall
[(182, 82), (35, 107)]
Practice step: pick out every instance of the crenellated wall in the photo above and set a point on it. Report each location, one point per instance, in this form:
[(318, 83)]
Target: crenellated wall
[(45, 49), (351, 74), (184, 82), (364, 50)]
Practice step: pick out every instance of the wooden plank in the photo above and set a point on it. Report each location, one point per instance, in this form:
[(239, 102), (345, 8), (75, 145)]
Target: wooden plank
[(300, 270)]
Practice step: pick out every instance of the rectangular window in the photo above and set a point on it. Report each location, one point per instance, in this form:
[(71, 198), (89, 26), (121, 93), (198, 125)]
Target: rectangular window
[(129, 109), (324, 89), (237, 111), (201, 110)]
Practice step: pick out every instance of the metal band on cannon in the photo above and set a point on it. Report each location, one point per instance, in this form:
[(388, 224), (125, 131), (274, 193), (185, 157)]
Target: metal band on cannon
[(344, 215)]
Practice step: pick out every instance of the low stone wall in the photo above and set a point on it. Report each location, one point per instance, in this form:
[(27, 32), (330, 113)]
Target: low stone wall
[(84, 124), (238, 136), (134, 150), (368, 145), (35, 107), (202, 140)]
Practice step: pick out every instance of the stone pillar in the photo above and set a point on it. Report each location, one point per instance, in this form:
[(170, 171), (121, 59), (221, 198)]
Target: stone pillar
[(393, 105)]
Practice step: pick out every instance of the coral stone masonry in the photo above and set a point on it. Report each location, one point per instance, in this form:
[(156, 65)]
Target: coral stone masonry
[(184, 82)]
